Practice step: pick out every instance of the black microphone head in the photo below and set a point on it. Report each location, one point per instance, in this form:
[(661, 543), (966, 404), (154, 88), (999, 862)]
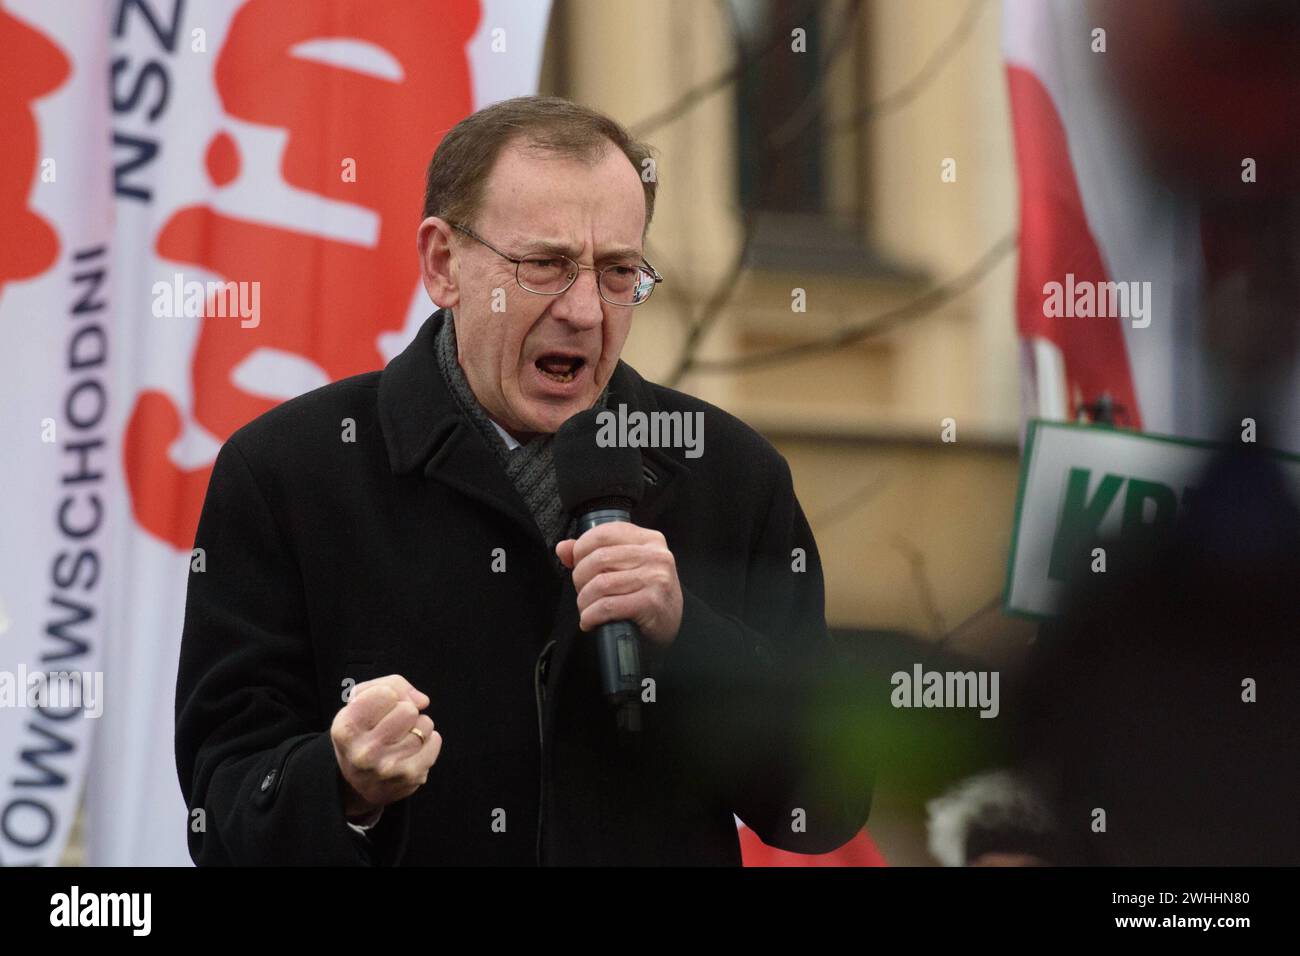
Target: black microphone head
[(591, 475)]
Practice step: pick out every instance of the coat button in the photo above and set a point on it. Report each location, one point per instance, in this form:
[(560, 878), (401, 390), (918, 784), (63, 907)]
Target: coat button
[(267, 781)]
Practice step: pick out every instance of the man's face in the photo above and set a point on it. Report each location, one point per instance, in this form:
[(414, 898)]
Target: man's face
[(518, 361)]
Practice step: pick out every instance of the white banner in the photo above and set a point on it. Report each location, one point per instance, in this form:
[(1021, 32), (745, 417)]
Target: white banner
[(1080, 485), (59, 456)]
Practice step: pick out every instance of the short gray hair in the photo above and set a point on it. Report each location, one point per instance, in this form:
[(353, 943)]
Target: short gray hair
[(456, 178)]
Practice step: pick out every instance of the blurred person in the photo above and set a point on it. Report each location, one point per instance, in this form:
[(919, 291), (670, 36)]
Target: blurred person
[(1162, 707), (991, 819)]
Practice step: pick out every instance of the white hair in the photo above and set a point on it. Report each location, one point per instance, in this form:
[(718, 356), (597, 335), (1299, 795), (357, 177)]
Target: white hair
[(996, 799)]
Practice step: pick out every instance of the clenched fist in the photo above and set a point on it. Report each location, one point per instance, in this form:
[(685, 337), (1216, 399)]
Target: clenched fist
[(381, 760)]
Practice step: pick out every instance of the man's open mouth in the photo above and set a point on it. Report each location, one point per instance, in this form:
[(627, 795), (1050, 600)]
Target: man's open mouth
[(560, 368)]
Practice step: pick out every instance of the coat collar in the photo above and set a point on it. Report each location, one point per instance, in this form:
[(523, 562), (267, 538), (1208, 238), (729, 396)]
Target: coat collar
[(424, 428)]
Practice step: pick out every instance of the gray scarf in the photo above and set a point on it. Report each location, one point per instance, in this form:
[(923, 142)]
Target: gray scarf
[(530, 466)]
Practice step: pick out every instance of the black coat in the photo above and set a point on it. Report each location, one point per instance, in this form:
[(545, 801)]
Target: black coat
[(329, 559)]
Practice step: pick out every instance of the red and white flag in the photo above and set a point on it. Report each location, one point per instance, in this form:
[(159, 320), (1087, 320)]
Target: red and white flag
[(1113, 261)]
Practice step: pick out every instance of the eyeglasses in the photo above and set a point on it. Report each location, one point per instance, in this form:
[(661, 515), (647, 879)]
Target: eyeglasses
[(623, 283)]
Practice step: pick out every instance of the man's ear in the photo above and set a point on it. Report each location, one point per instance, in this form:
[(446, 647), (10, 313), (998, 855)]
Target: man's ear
[(437, 267)]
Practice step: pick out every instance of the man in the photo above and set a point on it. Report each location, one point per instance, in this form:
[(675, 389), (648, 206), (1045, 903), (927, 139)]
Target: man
[(389, 657)]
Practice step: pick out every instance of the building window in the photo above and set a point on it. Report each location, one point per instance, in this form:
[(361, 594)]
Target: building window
[(792, 158), (777, 87)]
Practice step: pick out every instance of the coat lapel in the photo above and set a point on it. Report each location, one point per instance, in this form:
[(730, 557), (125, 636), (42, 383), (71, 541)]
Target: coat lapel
[(462, 460), (424, 428)]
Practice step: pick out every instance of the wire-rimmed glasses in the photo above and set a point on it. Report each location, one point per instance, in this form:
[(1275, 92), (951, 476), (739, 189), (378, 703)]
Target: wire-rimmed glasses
[(547, 273)]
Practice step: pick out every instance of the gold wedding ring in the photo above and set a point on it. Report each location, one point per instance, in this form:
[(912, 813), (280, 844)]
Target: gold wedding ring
[(416, 731)]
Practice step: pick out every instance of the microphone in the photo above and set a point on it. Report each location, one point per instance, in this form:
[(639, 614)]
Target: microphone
[(599, 485)]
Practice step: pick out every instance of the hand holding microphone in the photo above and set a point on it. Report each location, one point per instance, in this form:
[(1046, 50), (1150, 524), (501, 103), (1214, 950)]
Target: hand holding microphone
[(625, 576), (625, 573)]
